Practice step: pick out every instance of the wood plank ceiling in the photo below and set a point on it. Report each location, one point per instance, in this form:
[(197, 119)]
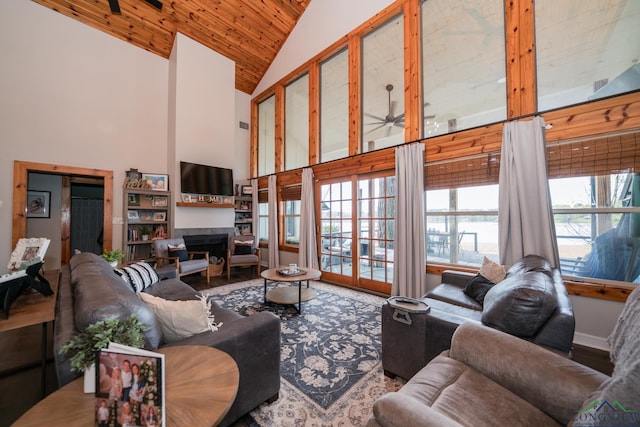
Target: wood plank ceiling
[(249, 32)]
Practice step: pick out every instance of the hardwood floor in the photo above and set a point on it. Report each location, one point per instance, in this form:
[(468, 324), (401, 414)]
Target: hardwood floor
[(20, 389)]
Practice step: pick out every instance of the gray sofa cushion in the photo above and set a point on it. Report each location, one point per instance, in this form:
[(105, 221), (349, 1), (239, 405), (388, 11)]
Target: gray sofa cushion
[(520, 304), (100, 294)]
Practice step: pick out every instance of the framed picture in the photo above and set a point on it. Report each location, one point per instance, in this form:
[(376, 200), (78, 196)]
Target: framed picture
[(145, 216), (38, 204), (156, 182), (159, 201), (28, 250), (186, 198), (134, 200), (159, 216), (133, 216), (246, 190)]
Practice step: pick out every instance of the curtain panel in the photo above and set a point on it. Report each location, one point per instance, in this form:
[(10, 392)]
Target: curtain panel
[(525, 214), (307, 247), (409, 275)]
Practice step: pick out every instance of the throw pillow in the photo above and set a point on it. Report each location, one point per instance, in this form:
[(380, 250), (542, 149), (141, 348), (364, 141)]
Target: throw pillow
[(477, 287), (492, 271), (139, 275), (242, 247), (181, 319), (179, 251)]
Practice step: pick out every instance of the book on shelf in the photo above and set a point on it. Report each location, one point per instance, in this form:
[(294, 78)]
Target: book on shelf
[(130, 387)]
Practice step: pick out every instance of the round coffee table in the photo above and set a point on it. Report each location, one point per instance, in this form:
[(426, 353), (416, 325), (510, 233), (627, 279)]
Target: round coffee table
[(201, 385), (290, 295)]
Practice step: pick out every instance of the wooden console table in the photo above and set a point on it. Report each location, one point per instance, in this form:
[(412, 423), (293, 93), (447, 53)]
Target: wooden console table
[(201, 385), (33, 308)]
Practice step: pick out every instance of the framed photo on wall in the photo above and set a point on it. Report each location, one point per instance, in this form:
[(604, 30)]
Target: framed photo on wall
[(156, 182), (38, 204), (246, 190)]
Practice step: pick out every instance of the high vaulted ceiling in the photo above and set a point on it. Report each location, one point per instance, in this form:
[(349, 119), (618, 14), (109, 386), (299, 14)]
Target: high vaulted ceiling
[(249, 32)]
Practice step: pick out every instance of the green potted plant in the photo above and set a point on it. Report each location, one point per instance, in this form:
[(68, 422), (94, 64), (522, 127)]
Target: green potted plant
[(145, 233), (84, 346), (113, 256)]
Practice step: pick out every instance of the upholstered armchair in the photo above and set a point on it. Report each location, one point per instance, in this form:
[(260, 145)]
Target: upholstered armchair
[(174, 251), (242, 251)]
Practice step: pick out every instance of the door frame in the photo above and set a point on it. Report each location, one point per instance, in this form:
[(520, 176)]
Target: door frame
[(21, 171)]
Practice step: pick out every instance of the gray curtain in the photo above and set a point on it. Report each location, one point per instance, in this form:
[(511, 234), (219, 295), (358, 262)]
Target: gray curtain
[(307, 248), (274, 250), (525, 215), (409, 261)]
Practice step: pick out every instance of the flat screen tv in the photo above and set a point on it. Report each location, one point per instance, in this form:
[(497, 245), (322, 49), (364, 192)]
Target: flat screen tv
[(202, 179)]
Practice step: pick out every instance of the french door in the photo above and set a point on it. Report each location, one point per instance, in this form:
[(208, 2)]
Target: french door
[(357, 229)]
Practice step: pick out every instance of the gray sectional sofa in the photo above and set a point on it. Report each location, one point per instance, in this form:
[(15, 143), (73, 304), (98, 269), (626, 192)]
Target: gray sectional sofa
[(90, 291)]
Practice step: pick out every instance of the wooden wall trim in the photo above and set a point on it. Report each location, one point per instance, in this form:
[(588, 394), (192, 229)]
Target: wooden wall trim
[(21, 171), (412, 72), (279, 128), (355, 92), (314, 113), (520, 58)]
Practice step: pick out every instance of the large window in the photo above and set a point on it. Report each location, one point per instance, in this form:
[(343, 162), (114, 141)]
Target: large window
[(266, 136), (383, 86), (586, 50), (334, 107), (292, 222), (462, 225), (376, 228), (296, 138), (263, 222), (463, 60)]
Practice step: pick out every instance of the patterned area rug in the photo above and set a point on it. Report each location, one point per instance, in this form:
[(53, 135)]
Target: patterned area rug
[(331, 355)]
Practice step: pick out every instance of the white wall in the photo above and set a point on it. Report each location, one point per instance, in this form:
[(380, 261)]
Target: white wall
[(322, 24), (72, 95), (205, 122), (75, 96)]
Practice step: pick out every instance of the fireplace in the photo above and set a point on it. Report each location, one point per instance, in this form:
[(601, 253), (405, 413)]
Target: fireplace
[(215, 244)]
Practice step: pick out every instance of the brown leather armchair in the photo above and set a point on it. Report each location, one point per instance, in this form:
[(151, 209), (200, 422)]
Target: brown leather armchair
[(243, 251), (185, 261)]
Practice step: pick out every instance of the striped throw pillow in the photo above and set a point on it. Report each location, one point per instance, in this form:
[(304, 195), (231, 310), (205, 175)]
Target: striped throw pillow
[(139, 276)]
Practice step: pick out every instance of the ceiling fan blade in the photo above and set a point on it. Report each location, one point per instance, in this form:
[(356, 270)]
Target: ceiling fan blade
[(432, 116), (374, 123), (114, 6), (375, 129), (381, 119), (155, 3)]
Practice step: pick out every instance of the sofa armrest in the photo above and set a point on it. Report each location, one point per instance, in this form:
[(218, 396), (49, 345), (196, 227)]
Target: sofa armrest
[(456, 278), (254, 343), (401, 410), (554, 384)]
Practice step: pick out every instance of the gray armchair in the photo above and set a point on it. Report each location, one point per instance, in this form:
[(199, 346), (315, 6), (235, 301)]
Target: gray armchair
[(185, 261), (243, 251)]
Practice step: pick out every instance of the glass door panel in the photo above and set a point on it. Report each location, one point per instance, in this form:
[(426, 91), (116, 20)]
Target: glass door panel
[(336, 219)]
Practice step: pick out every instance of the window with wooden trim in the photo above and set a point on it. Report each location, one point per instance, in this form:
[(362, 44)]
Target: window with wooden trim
[(290, 196), (334, 107), (463, 65), (296, 134), (263, 216), (266, 136), (585, 50)]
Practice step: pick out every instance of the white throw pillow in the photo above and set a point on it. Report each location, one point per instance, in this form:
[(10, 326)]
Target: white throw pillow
[(181, 319), (492, 271)]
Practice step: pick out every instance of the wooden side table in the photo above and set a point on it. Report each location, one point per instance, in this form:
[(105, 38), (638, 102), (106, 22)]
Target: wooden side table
[(201, 385), (33, 308), (290, 295)]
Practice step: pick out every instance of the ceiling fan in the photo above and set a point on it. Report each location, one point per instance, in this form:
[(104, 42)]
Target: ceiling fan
[(114, 5), (390, 119)]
